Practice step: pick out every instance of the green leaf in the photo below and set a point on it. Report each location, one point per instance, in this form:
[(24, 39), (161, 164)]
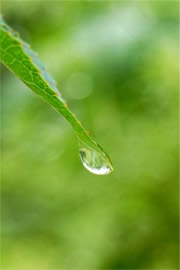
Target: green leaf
[(23, 61)]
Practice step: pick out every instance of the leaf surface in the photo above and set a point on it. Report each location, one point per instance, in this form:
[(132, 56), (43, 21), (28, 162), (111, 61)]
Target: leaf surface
[(18, 56)]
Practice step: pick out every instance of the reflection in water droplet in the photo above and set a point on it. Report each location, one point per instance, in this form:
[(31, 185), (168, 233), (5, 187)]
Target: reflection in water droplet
[(94, 162)]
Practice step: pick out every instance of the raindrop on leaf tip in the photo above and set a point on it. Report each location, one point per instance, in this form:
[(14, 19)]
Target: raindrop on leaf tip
[(95, 162)]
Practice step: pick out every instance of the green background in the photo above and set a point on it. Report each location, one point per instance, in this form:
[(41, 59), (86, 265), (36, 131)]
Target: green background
[(116, 64)]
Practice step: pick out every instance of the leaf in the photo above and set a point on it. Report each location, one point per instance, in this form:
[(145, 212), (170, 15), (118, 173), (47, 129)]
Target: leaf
[(23, 61)]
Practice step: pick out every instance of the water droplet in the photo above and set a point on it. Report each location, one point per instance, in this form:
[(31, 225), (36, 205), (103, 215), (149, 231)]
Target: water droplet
[(95, 162)]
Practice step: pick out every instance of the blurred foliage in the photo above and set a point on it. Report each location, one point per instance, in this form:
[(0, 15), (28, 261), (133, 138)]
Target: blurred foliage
[(119, 61)]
